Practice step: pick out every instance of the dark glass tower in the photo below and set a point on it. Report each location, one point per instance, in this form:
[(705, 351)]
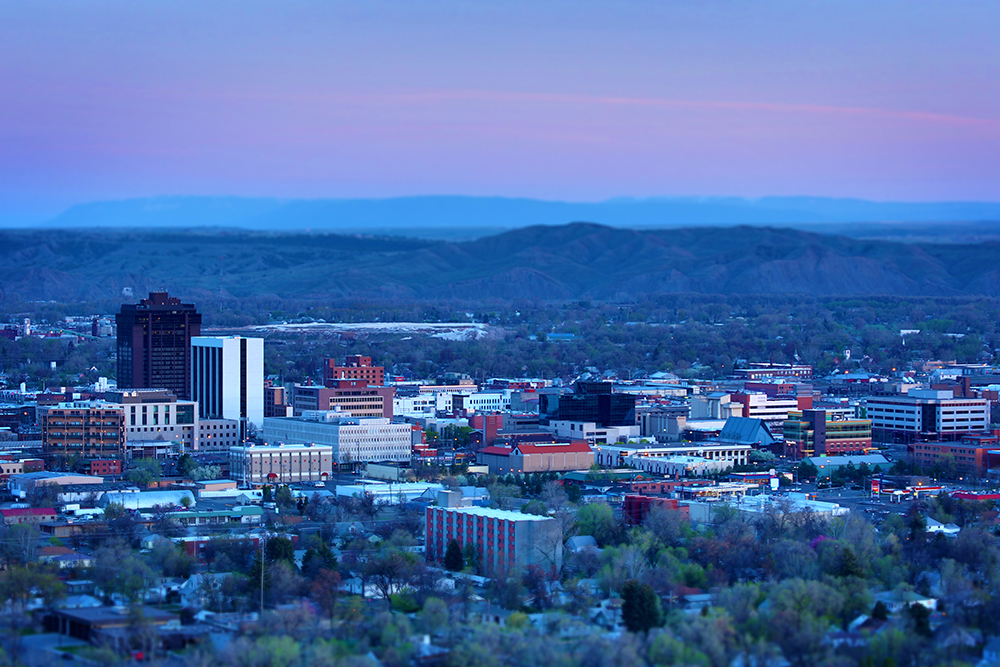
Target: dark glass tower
[(154, 344)]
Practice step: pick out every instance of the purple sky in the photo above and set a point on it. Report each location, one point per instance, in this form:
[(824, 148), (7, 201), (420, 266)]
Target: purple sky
[(559, 100)]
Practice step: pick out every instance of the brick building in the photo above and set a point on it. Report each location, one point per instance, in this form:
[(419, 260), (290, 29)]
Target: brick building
[(502, 540), (537, 457), (356, 397), (635, 509), (85, 429), (356, 367)]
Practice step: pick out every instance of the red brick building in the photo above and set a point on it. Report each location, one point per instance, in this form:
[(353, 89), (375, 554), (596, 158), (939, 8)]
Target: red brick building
[(635, 509), (970, 454), (502, 540), (355, 367), (103, 467)]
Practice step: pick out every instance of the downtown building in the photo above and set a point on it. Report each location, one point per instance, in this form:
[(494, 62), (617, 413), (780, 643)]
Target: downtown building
[(354, 440), (811, 433), (227, 379), (927, 415), (356, 367), (255, 465), (82, 430), (154, 344)]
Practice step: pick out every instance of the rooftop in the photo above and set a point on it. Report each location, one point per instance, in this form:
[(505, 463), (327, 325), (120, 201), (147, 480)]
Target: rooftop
[(491, 513)]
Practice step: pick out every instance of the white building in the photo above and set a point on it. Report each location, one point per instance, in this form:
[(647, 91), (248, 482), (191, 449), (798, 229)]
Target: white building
[(482, 401), (928, 411), (354, 439), (592, 433), (421, 405), (773, 411), (280, 464), (677, 466), (616, 456), (227, 378)]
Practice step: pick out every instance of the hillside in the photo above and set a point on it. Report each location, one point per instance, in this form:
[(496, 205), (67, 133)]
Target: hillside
[(559, 262)]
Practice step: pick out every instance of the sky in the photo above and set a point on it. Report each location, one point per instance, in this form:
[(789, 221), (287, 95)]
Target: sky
[(575, 100)]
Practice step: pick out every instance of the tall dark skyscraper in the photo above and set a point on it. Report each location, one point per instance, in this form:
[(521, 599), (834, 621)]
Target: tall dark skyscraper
[(154, 344)]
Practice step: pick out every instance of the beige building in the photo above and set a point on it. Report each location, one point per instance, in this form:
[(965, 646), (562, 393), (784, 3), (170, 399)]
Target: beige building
[(280, 464)]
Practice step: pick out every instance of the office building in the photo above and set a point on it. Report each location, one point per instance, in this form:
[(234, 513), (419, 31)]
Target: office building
[(280, 464), (356, 397), (355, 367), (227, 378), (927, 415), (821, 433), (355, 440), (503, 541), (591, 402), (275, 401), (154, 344), (761, 371)]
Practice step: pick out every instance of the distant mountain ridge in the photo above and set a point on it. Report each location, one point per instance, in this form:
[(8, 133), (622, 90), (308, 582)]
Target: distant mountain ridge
[(462, 212), (576, 261)]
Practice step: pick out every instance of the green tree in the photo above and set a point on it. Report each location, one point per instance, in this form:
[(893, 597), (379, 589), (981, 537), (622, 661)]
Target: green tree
[(598, 521), (453, 559), (186, 465), (641, 609), (280, 548), (144, 472), (807, 470)]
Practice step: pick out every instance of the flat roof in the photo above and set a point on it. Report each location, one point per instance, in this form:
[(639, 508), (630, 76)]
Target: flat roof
[(496, 514)]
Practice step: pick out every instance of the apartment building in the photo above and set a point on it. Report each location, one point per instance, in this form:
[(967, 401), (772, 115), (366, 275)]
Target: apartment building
[(503, 541), (82, 429)]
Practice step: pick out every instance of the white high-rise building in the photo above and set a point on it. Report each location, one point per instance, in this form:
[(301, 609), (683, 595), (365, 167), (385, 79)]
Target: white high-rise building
[(227, 378)]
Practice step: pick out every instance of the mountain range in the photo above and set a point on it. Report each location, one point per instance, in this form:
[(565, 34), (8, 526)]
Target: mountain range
[(574, 261), (463, 218)]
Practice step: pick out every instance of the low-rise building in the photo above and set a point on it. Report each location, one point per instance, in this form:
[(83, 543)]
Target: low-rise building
[(614, 456), (537, 457), (33, 515), (281, 464)]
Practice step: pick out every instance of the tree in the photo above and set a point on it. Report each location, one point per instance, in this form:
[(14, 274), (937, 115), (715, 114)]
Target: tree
[(283, 497), (325, 590), (598, 521), (391, 568), (640, 607), (880, 612), (186, 465), (144, 472), (280, 548), (453, 559), (434, 616), (807, 470)]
